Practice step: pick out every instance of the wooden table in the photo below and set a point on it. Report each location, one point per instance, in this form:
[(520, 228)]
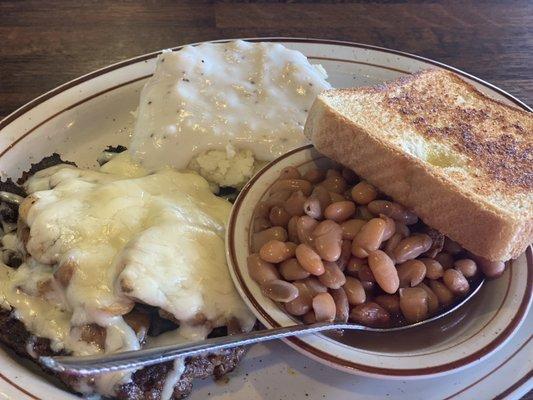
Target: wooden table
[(46, 43)]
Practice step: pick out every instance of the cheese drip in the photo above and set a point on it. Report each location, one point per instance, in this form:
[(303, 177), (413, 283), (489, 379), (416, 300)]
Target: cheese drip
[(99, 241)]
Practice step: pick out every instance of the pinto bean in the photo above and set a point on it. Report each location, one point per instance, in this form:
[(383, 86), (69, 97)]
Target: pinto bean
[(302, 303), (304, 228), (315, 175), (275, 199), (445, 259), (434, 269), (370, 236), (292, 185), (370, 314), (314, 285), (327, 239), (335, 184), (275, 251), (295, 203), (491, 269), (414, 304), (279, 290), (291, 270), (354, 291), (278, 216), (433, 300), (402, 229), (363, 193), (335, 197), (368, 286), (324, 307), (444, 294), (346, 254), (411, 273), (353, 266), (332, 277), (289, 173), (292, 230), (390, 227), (455, 281), (260, 224), (309, 259), (451, 247), (342, 307), (362, 212), (393, 210), (333, 173), (274, 233), (260, 270), (312, 207), (466, 266), (411, 247), (340, 211), (390, 302), (309, 318), (391, 244), (349, 176), (365, 273), (323, 196), (384, 271), (351, 228), (65, 271)]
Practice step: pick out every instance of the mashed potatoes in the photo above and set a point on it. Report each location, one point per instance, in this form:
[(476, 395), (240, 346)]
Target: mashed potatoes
[(225, 167)]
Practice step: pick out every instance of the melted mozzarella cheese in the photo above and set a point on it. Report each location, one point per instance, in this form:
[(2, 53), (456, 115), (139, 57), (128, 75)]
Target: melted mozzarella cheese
[(127, 236), (172, 378), (40, 317), (247, 95)]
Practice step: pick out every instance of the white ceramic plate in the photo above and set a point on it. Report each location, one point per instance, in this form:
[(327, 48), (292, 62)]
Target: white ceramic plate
[(82, 117)]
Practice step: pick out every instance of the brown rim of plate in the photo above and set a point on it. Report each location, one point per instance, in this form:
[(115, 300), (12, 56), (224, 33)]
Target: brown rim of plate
[(28, 106), (48, 95), (511, 388), (316, 353)]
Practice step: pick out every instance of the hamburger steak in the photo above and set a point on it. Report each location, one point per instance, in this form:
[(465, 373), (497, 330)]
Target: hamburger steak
[(146, 383)]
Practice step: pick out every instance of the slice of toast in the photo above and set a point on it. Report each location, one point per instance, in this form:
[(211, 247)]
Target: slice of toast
[(460, 160)]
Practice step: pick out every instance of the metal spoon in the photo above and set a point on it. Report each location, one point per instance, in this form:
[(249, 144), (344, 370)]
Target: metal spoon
[(150, 356)]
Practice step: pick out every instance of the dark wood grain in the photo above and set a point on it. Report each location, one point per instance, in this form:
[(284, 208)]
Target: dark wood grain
[(46, 43)]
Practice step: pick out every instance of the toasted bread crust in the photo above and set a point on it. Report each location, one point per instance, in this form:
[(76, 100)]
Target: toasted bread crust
[(496, 135), (440, 202)]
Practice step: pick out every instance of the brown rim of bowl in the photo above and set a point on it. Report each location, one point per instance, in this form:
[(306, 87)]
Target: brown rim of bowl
[(496, 312), (319, 354)]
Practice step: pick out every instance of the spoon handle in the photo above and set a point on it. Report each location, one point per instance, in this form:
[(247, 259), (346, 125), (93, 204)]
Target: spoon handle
[(142, 358)]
